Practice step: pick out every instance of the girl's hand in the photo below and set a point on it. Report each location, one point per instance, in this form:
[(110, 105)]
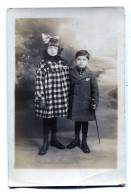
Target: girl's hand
[(42, 103)]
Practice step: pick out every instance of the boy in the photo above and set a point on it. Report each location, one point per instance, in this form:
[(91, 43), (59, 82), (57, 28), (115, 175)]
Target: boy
[(83, 90)]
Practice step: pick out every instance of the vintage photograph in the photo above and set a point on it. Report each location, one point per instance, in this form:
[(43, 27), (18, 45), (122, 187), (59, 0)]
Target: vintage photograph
[(67, 93)]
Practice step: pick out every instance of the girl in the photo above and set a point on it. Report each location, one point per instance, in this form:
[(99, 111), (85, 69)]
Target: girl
[(51, 90), (83, 90)]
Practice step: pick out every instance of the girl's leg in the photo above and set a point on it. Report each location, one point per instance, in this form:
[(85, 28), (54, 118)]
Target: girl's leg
[(54, 142), (46, 125), (76, 141), (84, 145)]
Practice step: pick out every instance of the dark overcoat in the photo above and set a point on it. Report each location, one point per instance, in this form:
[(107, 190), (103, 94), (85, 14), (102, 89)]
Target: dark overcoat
[(83, 88)]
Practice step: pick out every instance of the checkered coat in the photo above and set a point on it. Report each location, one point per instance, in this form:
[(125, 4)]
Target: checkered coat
[(52, 85)]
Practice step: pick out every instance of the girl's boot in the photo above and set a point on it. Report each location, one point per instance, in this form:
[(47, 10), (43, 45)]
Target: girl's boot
[(44, 148), (54, 142), (76, 141), (84, 145)]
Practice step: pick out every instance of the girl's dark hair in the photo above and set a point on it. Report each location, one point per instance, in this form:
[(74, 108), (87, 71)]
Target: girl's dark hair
[(53, 42), (82, 53)]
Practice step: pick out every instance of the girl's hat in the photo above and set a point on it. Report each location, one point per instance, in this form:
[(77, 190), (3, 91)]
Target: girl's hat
[(50, 40)]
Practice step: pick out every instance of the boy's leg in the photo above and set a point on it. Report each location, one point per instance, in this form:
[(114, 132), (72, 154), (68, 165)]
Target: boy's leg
[(54, 142), (46, 125), (76, 141), (77, 130), (84, 145)]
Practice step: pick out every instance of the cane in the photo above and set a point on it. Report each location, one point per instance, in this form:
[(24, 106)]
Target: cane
[(95, 120), (97, 127)]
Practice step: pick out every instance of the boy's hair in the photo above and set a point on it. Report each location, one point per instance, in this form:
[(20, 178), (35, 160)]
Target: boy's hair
[(82, 53)]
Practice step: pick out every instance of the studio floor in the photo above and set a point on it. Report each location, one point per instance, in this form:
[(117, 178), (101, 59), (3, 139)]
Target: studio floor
[(103, 155)]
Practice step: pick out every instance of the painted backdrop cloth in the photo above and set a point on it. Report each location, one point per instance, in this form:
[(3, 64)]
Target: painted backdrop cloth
[(52, 85), (83, 88)]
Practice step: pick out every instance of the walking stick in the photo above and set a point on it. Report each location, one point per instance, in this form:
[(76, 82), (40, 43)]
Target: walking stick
[(93, 103), (97, 126)]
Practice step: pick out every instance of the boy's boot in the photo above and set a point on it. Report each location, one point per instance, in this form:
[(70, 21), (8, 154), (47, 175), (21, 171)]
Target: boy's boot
[(76, 141), (54, 142), (84, 145), (45, 145)]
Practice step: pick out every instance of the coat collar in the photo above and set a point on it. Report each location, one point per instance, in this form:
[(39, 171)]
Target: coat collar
[(75, 73)]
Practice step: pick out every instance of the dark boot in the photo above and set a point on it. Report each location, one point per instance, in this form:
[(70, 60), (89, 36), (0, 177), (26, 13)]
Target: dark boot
[(54, 142), (76, 141), (44, 147), (46, 125), (84, 145), (73, 144)]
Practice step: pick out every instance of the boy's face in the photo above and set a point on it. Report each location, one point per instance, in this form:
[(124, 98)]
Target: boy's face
[(52, 50), (82, 61)]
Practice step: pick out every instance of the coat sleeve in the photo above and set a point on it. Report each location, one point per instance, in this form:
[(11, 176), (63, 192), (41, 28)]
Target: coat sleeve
[(39, 85), (94, 89)]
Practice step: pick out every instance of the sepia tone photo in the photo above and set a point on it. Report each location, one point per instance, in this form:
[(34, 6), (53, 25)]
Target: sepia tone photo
[(67, 85)]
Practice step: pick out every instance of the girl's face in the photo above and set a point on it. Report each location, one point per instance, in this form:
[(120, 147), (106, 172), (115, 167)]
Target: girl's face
[(82, 61), (52, 50)]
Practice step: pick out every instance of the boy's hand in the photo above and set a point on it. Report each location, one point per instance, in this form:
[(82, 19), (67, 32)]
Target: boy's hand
[(93, 106), (42, 103)]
